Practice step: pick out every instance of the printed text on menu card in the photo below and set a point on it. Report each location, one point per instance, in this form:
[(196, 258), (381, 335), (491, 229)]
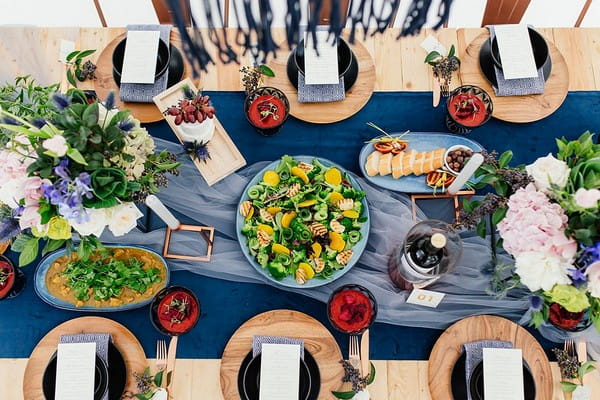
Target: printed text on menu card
[(503, 374), (516, 52), (75, 370), (139, 62), (279, 372)]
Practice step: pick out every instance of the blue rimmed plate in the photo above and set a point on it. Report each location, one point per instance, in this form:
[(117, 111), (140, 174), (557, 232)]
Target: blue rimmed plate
[(43, 293), (289, 281), (419, 141)]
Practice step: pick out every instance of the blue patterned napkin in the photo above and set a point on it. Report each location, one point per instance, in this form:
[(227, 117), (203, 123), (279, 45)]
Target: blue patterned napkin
[(257, 342), (144, 92), (101, 339), (320, 93), (516, 87), (474, 352)]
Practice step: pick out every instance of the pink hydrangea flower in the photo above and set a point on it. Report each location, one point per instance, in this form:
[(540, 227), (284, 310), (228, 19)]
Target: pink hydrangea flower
[(533, 223), (587, 198), (30, 217), (57, 144), (33, 191)]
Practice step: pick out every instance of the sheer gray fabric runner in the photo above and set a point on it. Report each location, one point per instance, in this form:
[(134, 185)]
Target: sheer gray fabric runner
[(466, 288)]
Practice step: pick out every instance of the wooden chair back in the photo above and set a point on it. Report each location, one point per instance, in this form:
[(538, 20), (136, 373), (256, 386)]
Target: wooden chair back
[(504, 11)]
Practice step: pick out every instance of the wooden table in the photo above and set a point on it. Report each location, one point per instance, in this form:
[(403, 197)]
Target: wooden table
[(399, 67), (399, 64), (199, 379)]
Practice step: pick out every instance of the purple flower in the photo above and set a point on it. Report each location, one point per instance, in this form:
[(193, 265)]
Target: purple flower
[(577, 276), (536, 303), (38, 122), (110, 101), (9, 228), (591, 254), (61, 169), (126, 126), (61, 101), (10, 121)]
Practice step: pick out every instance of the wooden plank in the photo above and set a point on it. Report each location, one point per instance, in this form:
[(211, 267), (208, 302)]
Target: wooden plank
[(379, 388), (593, 39), (387, 53), (11, 377), (403, 380), (415, 75), (574, 46), (205, 383), (182, 387)]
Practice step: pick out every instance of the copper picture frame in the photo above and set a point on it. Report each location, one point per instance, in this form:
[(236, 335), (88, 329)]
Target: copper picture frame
[(206, 232)]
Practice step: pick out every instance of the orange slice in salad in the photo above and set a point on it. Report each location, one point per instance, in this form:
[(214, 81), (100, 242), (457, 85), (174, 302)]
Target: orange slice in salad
[(271, 178), (287, 219), (310, 273), (300, 174), (333, 176), (280, 249), (336, 243)]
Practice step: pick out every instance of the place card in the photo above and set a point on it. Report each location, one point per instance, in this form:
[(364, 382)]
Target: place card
[(432, 44), (427, 298), (320, 65), (503, 374), (66, 48), (515, 50), (279, 372), (139, 62), (75, 370)]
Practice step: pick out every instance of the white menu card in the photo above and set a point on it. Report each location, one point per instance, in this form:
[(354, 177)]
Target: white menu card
[(279, 372), (139, 62), (321, 68), (515, 50), (503, 374), (75, 371)]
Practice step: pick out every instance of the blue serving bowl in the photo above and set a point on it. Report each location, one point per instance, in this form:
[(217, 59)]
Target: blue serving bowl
[(289, 281), (420, 141), (42, 291)]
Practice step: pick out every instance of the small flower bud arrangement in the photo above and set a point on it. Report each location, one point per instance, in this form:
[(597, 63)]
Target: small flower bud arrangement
[(443, 67), (194, 115)]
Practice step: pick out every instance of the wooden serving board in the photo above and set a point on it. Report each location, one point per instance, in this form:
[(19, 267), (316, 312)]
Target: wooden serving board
[(317, 340), (326, 113), (520, 109), (105, 83), (123, 339), (225, 158), (448, 348)]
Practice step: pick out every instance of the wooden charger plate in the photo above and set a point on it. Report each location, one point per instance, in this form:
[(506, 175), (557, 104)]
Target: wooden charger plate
[(448, 348), (123, 339), (326, 113), (518, 109), (317, 340), (105, 83)]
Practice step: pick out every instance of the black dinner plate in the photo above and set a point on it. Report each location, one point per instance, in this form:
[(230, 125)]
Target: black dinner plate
[(176, 68), (249, 378), (347, 65), (487, 64), (115, 376), (458, 381)]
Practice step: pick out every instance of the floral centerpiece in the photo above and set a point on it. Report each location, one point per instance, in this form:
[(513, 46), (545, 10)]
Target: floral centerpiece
[(79, 170), (547, 216)]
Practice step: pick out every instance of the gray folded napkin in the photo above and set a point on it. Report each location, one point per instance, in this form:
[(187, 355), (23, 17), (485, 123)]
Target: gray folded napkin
[(144, 92), (474, 355), (257, 342), (320, 93), (101, 339), (516, 87)]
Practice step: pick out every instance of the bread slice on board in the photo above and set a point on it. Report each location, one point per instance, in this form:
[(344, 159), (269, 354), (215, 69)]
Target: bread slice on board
[(372, 164), (385, 164)]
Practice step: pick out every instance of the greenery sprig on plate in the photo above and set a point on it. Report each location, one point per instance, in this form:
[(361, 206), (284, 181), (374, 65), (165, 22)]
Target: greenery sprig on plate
[(76, 71), (359, 384)]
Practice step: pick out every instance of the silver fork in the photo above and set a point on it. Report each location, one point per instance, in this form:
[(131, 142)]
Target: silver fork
[(161, 356), (570, 348), (354, 352)]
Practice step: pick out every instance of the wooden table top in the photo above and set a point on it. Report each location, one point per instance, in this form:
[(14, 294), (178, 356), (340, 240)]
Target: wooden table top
[(399, 64), (29, 50)]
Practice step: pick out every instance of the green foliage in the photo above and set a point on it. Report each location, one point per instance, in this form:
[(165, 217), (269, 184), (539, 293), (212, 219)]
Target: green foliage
[(107, 276), (266, 70), (76, 72)]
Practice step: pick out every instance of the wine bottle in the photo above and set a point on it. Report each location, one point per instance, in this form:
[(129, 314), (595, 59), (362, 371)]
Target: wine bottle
[(427, 251)]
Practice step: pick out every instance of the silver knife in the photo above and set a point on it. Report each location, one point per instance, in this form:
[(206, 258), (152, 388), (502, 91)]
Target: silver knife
[(364, 354)]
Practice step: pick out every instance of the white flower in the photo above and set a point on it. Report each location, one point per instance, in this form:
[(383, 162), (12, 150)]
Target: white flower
[(539, 270), (593, 279), (587, 198), (548, 170), (56, 144), (12, 191), (123, 218), (95, 225), (103, 118)]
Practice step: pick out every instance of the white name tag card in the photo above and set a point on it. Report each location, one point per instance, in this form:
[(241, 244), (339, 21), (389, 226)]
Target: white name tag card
[(427, 298)]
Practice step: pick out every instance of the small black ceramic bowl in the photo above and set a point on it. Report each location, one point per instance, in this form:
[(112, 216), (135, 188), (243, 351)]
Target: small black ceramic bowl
[(347, 64), (162, 59), (541, 53)]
